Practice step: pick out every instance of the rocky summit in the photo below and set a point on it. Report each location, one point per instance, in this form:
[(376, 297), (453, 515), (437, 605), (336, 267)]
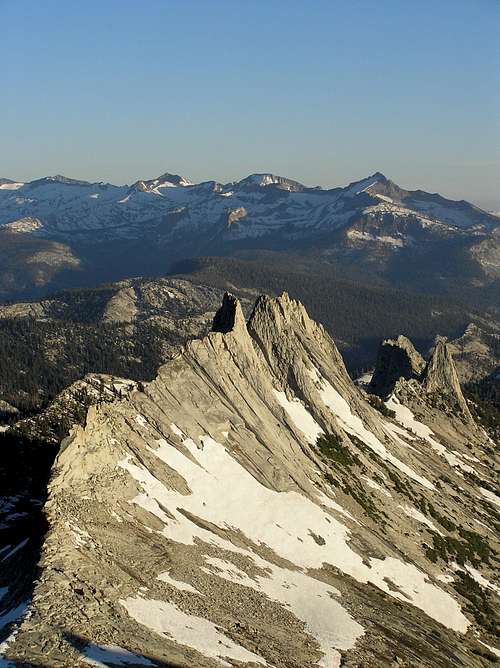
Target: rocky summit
[(398, 360), (251, 506)]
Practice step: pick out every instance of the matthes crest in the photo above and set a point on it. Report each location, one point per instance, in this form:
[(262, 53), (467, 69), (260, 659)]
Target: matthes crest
[(250, 506)]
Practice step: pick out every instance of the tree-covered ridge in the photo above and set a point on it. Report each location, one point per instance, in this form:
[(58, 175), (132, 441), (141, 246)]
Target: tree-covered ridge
[(127, 329), (38, 359)]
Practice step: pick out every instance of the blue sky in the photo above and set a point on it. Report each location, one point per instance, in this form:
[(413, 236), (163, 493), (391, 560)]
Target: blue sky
[(320, 90)]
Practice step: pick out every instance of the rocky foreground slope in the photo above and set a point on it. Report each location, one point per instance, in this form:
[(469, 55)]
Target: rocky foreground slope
[(251, 507)]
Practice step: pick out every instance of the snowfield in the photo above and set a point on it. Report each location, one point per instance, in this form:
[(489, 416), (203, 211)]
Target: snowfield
[(104, 655), (406, 418), (225, 494), (300, 416), (196, 632)]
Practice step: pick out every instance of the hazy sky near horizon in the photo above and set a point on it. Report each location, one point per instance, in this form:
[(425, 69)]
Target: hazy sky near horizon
[(324, 91)]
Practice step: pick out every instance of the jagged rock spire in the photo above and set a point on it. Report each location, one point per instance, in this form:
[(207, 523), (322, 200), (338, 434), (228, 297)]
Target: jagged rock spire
[(397, 358), (440, 377), (229, 317), (292, 345)]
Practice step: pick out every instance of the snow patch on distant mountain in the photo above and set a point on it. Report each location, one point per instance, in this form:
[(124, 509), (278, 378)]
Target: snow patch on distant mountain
[(364, 185), (10, 186), (264, 180)]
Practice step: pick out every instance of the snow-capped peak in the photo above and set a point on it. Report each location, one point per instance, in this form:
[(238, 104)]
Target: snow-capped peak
[(166, 180), (8, 184), (263, 179), (364, 185), (59, 179), (266, 179)]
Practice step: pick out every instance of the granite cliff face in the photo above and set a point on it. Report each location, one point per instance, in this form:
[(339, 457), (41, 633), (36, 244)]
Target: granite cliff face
[(440, 378), (397, 358), (249, 507), (437, 379)]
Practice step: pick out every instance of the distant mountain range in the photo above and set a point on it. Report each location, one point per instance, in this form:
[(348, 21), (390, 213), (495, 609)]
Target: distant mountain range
[(57, 231), (256, 206)]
